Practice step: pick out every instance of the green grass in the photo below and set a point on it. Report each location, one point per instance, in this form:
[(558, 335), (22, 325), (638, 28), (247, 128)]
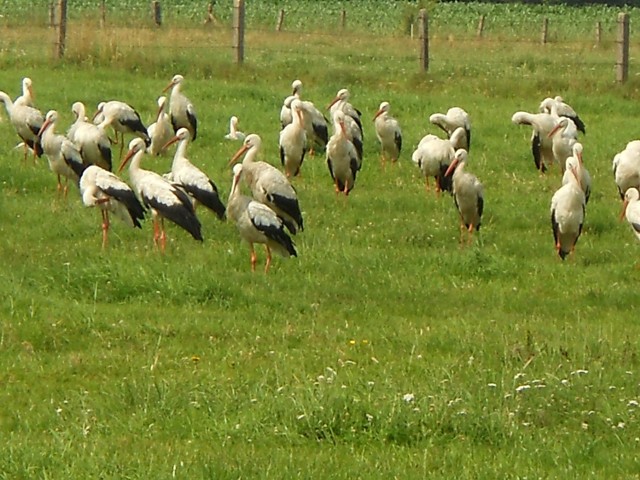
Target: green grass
[(127, 364)]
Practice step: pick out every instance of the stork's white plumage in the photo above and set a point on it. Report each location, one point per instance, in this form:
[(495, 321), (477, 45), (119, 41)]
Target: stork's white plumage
[(631, 210), (353, 122), (434, 155), (388, 132), (27, 122), (342, 157), (467, 194), (626, 168), (163, 198), (257, 223), (92, 141), (269, 185), (293, 141), (541, 144), (181, 110), (315, 122), (557, 107), (567, 213), (101, 188), (26, 98), (52, 147), (234, 133), (123, 118), (193, 180), (455, 117), (564, 135), (576, 162), (160, 131)]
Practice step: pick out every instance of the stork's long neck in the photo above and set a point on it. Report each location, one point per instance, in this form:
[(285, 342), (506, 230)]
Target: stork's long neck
[(180, 156), (8, 103), (250, 156)]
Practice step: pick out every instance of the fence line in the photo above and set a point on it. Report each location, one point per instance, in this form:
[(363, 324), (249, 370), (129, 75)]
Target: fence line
[(58, 19)]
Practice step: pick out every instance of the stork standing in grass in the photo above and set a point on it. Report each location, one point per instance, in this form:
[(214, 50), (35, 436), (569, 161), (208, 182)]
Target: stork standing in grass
[(541, 143), (626, 168), (631, 210), (92, 140), (557, 107), (434, 155), (315, 123), (269, 185), (191, 179), (104, 190), (389, 133), (342, 157), (567, 213), (52, 146), (123, 118), (27, 122), (257, 223), (163, 198), (467, 194), (181, 110), (455, 117), (293, 141), (352, 119), (564, 135), (576, 162)]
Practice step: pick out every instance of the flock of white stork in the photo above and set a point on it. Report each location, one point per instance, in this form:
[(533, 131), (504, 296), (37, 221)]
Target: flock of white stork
[(273, 213)]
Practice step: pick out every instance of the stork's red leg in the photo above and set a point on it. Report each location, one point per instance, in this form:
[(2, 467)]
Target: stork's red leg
[(105, 228), (163, 235), (254, 258), (266, 267)]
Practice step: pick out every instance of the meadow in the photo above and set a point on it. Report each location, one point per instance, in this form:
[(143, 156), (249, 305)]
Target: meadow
[(384, 350)]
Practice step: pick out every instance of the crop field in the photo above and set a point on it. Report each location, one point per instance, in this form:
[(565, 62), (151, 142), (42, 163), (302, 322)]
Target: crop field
[(385, 349)]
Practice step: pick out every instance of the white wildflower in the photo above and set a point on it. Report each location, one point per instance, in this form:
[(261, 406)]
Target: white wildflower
[(522, 388), (408, 397)]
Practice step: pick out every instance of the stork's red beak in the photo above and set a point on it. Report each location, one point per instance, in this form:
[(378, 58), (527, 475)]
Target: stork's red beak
[(170, 142), (554, 130), (452, 167), (333, 102), (126, 159), (624, 208), (44, 126), (238, 154), (171, 84)]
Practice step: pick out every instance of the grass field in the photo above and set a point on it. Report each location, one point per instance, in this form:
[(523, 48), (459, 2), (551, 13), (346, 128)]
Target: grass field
[(384, 350)]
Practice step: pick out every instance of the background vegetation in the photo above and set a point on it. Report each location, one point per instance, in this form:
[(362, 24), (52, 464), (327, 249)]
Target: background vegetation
[(384, 350)]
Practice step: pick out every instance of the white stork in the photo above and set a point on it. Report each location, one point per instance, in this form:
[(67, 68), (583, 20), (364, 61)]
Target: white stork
[(315, 123), (191, 179), (123, 118), (342, 157), (234, 133), (181, 110), (27, 93), (557, 107), (576, 162), (52, 147), (160, 131), (541, 144), (92, 141), (626, 168), (467, 194), (388, 132), (564, 135), (27, 122), (455, 117), (293, 141), (101, 188), (631, 210), (269, 185), (163, 198), (567, 213), (434, 155), (353, 122), (257, 223)]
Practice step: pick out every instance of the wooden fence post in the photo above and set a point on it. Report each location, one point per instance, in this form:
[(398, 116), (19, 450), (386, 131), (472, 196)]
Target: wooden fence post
[(598, 32), (52, 14), (62, 28), (622, 63), (480, 26), (103, 13), (238, 30), (156, 10), (545, 29), (423, 35), (280, 20), (343, 19)]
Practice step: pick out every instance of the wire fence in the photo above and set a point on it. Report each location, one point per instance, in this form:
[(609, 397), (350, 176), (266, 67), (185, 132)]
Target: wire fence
[(473, 42)]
